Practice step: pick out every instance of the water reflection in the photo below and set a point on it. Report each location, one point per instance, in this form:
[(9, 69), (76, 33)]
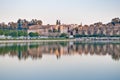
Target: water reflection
[(37, 50)]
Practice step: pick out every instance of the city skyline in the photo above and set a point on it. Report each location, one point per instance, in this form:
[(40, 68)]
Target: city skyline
[(69, 12)]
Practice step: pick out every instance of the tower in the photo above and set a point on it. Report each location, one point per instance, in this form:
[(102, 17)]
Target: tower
[(58, 22)]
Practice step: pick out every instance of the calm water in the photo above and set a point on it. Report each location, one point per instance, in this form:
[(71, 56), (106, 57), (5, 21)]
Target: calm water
[(60, 61)]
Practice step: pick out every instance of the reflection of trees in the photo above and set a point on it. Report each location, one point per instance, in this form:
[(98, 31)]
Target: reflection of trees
[(63, 48)]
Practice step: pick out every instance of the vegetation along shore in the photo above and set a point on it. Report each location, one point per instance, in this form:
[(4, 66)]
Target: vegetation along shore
[(35, 30)]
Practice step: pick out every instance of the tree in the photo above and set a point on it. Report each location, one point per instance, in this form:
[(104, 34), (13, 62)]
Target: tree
[(64, 35), (12, 25), (1, 32), (57, 22), (25, 33), (25, 24), (31, 34), (3, 26), (49, 30), (13, 33), (6, 32), (19, 22), (115, 20), (77, 35), (22, 33), (76, 29), (55, 30), (39, 22)]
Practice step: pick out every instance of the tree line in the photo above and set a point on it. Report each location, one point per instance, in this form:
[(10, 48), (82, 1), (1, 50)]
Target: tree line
[(20, 24), (18, 33)]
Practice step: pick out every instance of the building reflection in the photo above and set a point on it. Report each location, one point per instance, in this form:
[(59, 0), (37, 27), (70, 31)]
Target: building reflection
[(37, 50)]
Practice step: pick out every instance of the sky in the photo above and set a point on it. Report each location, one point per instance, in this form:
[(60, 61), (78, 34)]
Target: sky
[(68, 11)]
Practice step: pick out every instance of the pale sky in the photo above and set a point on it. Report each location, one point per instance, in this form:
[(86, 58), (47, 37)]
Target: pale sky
[(68, 11)]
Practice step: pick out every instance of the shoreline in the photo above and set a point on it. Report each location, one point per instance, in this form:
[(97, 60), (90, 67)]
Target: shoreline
[(23, 41), (58, 40)]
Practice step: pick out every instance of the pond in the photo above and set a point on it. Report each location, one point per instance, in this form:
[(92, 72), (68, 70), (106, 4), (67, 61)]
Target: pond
[(60, 61)]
